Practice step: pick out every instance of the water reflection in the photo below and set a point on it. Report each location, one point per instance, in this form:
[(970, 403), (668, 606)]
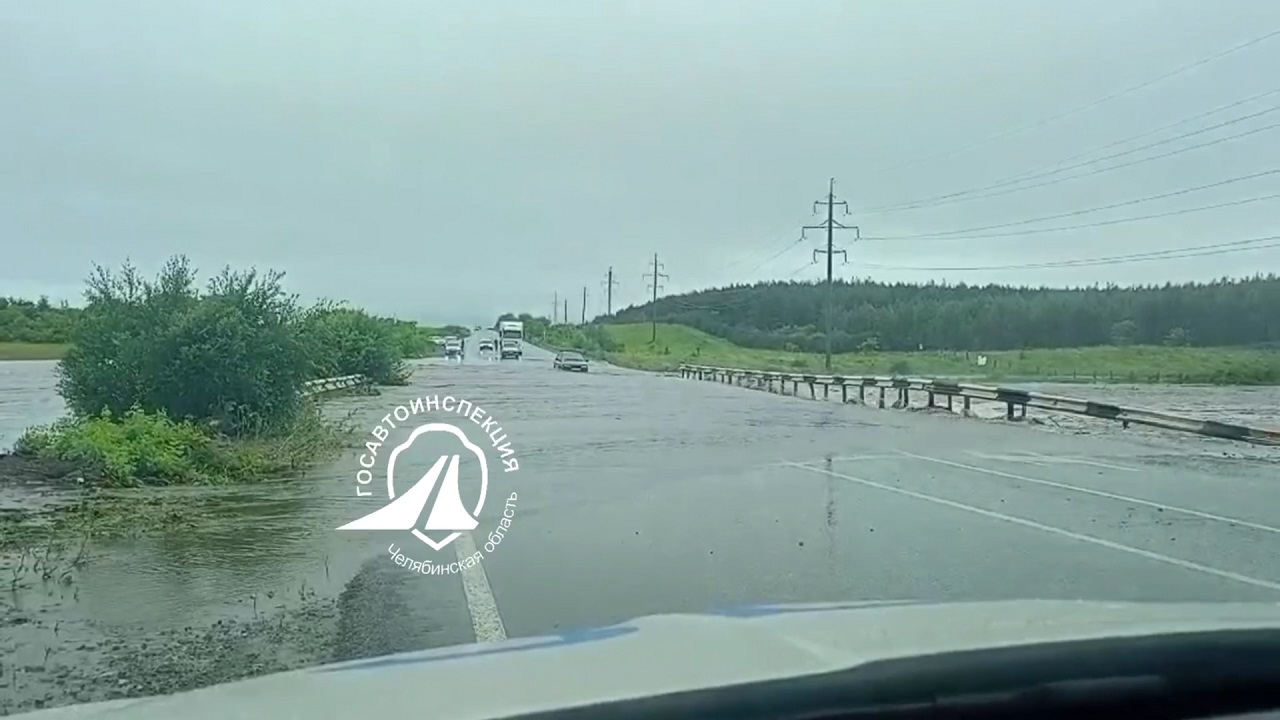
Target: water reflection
[(28, 396)]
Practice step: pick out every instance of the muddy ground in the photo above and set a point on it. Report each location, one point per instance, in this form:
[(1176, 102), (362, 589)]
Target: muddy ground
[(301, 632)]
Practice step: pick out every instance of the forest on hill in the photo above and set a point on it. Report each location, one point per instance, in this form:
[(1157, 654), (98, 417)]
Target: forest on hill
[(899, 316)]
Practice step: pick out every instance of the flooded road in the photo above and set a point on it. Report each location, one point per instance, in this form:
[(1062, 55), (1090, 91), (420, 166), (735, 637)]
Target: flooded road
[(643, 494)]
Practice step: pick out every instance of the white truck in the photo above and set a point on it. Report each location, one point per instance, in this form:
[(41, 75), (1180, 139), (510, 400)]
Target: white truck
[(510, 339), (453, 348)]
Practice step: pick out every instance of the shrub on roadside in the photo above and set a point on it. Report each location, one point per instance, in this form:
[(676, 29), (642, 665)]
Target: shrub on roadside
[(169, 384), (141, 448), (231, 355), (346, 341), (592, 340)]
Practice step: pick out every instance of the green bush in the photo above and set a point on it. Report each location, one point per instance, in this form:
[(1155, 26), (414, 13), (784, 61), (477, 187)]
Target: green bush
[(232, 355), (346, 341), (141, 448), (167, 383), (138, 448), (592, 340)]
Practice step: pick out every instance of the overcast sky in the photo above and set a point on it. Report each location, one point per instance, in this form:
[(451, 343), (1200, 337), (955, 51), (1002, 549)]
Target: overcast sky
[(449, 161)]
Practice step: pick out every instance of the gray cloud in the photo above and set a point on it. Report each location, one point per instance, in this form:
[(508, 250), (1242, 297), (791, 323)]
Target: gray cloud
[(443, 161)]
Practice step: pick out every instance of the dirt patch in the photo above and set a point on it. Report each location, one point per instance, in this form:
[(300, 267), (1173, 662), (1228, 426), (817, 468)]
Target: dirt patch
[(24, 470), (127, 664)]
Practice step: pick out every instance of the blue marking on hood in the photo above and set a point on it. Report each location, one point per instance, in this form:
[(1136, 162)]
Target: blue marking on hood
[(572, 637), (751, 611)]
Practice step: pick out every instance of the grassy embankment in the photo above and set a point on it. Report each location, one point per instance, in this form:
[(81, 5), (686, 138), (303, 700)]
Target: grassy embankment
[(170, 385), (630, 346), (33, 351)]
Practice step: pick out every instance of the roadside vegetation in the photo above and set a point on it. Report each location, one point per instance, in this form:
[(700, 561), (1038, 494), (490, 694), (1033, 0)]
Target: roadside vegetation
[(169, 382), (1224, 332), (629, 345), (875, 316)]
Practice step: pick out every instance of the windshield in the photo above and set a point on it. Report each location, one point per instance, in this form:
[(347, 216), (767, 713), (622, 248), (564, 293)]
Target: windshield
[(866, 303)]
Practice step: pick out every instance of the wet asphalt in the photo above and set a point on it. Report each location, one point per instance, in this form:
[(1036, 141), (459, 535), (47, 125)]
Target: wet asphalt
[(642, 494)]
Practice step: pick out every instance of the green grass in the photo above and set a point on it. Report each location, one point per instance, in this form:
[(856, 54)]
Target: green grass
[(681, 344), (151, 449), (32, 351)]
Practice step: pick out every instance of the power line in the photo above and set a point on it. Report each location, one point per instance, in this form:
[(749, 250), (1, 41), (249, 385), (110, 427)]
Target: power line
[(1102, 223), (655, 285), (960, 195), (1171, 254), (831, 225), (1086, 211), (1159, 129), (789, 247), (1081, 108), (1131, 163)]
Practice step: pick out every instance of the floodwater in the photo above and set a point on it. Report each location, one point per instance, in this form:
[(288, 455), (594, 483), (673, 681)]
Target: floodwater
[(211, 602)]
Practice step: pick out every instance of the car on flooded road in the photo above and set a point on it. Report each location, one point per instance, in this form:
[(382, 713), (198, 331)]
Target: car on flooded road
[(570, 360), (486, 346)]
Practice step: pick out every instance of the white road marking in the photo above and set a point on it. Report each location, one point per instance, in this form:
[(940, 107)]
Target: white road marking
[(1185, 564), (1024, 459), (1083, 461), (485, 620), (1100, 493), (1042, 460), (842, 458)]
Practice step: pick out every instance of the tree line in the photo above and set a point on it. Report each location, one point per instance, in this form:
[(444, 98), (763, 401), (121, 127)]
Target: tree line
[(869, 315), (40, 321)]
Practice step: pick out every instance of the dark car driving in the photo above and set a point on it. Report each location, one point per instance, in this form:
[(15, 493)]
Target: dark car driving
[(570, 360)]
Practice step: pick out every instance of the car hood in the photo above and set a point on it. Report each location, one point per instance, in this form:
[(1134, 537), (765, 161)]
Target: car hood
[(666, 653)]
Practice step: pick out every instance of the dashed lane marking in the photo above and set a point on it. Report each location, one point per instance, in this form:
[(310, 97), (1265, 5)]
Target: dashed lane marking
[(485, 620), (1099, 493), (1049, 529)]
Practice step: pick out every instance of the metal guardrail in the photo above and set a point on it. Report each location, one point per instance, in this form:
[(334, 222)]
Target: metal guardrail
[(1016, 401), (333, 384)]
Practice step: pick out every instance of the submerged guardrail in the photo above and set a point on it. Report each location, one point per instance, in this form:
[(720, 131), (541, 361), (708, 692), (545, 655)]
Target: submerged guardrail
[(333, 384), (1016, 401)]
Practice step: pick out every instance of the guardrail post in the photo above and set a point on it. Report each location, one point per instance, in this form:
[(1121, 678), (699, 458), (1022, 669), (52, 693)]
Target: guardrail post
[(881, 398), (826, 391), (795, 387), (949, 399), (813, 391), (862, 394), (844, 393), (930, 398), (967, 411)]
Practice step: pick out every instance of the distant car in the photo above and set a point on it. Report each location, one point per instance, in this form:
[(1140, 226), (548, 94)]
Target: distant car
[(453, 348), (486, 346), (570, 360)]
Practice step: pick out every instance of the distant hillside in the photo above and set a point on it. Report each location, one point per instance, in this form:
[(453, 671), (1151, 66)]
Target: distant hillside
[(874, 315)]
